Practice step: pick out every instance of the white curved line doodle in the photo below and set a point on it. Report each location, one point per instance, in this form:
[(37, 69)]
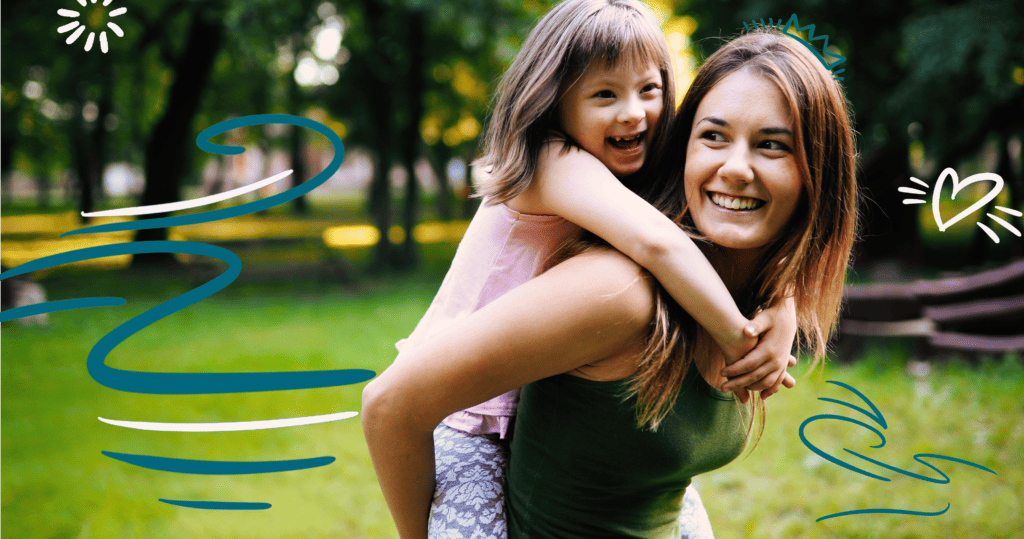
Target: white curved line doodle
[(194, 203), (230, 426)]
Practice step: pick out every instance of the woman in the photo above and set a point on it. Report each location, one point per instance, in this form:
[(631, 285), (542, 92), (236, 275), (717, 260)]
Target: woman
[(634, 406)]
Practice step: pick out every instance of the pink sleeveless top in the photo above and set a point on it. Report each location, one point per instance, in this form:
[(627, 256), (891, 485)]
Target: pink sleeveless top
[(501, 250)]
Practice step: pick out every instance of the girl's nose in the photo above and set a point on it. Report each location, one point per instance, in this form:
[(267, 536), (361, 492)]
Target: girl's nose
[(632, 111)]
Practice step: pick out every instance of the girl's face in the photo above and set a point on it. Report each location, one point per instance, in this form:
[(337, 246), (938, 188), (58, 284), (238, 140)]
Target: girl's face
[(741, 177), (612, 113)]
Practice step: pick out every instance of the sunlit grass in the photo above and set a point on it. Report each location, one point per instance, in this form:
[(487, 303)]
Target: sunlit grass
[(56, 483)]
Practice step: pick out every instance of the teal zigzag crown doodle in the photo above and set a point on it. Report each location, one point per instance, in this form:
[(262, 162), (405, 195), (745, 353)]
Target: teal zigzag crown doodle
[(794, 23)]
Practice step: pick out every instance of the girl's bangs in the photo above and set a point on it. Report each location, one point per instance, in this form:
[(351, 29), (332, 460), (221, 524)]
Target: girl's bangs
[(622, 41)]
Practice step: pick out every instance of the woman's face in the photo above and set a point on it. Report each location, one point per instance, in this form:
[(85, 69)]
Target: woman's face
[(741, 177)]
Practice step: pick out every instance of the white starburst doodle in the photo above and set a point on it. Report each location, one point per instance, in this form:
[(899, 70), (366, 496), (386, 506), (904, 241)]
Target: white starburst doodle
[(79, 28), (996, 179)]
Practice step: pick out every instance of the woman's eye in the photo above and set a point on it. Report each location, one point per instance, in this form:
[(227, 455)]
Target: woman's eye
[(774, 145), (713, 136)]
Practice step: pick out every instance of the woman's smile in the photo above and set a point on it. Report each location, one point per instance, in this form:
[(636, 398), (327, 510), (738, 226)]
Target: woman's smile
[(735, 203)]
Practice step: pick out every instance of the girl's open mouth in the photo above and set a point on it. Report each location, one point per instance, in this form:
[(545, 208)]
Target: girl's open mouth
[(627, 143), (735, 203)]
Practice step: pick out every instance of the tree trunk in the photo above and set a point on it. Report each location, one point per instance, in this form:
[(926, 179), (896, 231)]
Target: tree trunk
[(296, 143), (440, 155), (86, 165), (888, 228), (410, 136), (169, 143), (379, 70)]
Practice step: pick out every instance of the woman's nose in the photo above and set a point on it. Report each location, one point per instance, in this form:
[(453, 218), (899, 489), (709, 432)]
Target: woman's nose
[(737, 166)]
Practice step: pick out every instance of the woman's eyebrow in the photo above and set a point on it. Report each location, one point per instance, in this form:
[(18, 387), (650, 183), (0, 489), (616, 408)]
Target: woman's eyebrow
[(776, 131), (715, 120)]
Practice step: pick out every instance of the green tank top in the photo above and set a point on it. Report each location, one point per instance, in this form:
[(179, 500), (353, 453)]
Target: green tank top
[(580, 467)]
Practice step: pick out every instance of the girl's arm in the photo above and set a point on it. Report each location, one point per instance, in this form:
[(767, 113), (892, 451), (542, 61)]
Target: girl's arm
[(579, 188), (594, 306)]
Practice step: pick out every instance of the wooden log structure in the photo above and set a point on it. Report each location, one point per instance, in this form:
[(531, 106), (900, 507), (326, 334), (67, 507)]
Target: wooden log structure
[(972, 315)]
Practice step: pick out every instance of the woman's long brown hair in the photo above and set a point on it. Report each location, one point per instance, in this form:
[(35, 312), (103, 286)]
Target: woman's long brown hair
[(807, 261)]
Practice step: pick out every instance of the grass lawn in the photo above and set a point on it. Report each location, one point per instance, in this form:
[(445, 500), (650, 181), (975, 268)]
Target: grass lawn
[(57, 484)]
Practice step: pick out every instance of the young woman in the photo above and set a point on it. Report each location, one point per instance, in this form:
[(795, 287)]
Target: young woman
[(768, 174)]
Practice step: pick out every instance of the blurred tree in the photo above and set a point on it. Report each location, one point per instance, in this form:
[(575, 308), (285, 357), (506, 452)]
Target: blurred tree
[(418, 84), (949, 74)]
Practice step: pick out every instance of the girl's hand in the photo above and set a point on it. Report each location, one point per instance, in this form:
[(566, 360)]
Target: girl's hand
[(764, 369)]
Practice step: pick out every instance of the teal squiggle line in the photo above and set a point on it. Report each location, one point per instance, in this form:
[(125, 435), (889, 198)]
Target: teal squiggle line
[(832, 459), (229, 506), (59, 305), (217, 467), (918, 457), (174, 383), (251, 207), (192, 383), (884, 512), (877, 415)]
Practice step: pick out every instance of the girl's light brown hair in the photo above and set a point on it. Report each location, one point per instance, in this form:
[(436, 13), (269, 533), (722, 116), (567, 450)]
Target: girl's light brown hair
[(558, 50)]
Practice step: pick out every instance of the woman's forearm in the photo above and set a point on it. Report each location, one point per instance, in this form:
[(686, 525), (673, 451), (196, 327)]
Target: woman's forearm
[(403, 458)]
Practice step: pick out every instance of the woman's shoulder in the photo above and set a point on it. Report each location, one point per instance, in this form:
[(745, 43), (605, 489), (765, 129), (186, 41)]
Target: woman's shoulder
[(611, 280)]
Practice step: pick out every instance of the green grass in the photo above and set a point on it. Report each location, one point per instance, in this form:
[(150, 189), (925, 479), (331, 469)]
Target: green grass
[(57, 484), (967, 411)]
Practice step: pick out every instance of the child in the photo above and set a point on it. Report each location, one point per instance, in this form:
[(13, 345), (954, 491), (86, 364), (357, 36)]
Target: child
[(585, 102)]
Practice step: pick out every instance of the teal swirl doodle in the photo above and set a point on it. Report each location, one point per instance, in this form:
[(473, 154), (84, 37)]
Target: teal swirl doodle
[(194, 383), (878, 418)]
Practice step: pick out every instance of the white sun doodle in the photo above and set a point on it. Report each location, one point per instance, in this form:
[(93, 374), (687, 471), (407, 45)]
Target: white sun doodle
[(997, 181), (81, 27)]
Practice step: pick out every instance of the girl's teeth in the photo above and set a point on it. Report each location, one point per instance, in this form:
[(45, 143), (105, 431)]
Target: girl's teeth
[(735, 203), (626, 142)]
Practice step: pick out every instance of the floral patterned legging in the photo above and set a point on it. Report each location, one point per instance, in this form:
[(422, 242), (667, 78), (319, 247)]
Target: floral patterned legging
[(469, 497)]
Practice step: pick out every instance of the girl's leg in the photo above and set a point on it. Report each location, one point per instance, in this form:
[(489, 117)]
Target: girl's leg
[(469, 499), (693, 519)]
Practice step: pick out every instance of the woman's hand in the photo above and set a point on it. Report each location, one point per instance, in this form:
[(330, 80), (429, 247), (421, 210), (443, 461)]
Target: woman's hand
[(764, 368)]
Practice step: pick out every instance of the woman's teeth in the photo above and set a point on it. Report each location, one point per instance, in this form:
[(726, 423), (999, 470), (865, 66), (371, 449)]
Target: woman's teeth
[(626, 143), (736, 203)]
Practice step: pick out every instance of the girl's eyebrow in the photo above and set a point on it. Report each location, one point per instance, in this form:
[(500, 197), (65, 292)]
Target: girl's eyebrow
[(765, 130)]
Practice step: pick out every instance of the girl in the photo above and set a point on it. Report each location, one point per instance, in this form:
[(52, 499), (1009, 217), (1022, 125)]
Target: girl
[(769, 181), (589, 92)]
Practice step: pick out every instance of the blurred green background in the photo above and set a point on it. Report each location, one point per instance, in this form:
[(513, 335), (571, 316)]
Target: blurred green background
[(407, 85)]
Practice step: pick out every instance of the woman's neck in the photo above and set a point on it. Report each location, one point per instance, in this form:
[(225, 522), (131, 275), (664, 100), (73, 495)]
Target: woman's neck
[(736, 267)]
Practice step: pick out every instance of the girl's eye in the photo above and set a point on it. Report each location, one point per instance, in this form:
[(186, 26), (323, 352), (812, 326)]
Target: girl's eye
[(605, 94), (651, 88)]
